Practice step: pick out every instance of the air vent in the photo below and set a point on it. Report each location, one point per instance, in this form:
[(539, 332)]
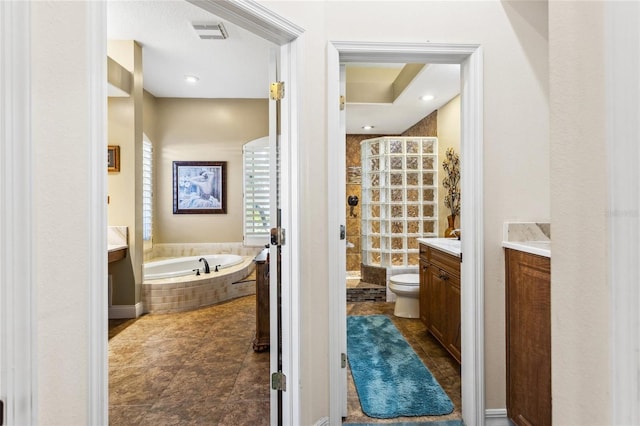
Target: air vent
[(210, 31)]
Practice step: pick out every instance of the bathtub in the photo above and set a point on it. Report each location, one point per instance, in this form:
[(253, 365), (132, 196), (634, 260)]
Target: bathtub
[(185, 265), (172, 286)]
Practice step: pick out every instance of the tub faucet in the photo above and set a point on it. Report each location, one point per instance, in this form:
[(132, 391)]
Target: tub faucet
[(206, 265)]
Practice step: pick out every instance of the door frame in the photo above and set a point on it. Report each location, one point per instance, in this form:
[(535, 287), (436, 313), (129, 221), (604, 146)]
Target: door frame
[(470, 58), (18, 375), (18, 353)]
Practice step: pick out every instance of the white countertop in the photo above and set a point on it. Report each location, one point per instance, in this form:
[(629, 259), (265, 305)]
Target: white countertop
[(447, 245), (541, 248), (115, 247)]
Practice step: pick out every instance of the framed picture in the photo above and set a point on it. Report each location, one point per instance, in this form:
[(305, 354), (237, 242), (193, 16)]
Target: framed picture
[(199, 187), (113, 158)]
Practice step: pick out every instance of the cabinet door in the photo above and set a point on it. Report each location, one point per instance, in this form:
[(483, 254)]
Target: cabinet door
[(528, 339), (436, 303), (454, 337), (424, 299)]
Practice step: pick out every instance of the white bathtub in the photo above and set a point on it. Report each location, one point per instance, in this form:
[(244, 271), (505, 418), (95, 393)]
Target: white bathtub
[(186, 265)]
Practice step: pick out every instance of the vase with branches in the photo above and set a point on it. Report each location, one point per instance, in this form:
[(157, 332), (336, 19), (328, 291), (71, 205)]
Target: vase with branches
[(451, 183)]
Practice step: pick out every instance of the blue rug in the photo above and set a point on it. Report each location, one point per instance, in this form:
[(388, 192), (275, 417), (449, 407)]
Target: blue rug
[(390, 378)]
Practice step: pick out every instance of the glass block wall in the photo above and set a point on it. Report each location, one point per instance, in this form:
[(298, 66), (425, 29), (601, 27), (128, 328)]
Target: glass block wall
[(399, 198)]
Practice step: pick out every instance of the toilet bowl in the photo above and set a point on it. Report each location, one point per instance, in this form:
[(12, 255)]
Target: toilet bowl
[(406, 287)]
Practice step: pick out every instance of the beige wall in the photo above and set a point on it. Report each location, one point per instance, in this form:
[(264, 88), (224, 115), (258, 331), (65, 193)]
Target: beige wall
[(580, 357), (203, 130), (517, 184), (125, 127), (516, 151), (60, 139), (448, 137)]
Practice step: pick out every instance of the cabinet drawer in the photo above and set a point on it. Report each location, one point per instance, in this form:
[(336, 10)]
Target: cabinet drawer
[(446, 261)]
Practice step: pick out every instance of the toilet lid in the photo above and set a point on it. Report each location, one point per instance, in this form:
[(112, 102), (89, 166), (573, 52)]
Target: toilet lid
[(406, 279)]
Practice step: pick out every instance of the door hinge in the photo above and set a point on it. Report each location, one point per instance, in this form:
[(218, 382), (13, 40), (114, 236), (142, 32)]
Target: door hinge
[(277, 236), (277, 90), (342, 102), (343, 360), (279, 381)]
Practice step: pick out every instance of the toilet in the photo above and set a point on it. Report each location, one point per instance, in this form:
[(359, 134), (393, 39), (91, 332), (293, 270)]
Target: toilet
[(406, 287)]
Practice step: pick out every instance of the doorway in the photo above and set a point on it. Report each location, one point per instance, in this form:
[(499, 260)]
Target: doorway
[(470, 59), (284, 34)]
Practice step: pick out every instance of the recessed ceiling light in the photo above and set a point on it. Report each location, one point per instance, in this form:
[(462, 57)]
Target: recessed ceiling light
[(427, 98), (367, 127), (191, 79)]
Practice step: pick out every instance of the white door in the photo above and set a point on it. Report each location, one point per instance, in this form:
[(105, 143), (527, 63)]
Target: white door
[(275, 250), (337, 240)]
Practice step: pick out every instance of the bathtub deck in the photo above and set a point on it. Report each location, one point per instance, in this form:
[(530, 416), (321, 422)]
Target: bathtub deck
[(185, 293)]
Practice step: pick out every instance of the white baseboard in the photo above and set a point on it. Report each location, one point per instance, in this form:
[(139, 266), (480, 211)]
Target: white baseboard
[(125, 311), (322, 422), (496, 417)]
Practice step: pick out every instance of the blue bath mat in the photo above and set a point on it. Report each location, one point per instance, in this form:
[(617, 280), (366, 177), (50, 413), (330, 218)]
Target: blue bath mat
[(390, 378)]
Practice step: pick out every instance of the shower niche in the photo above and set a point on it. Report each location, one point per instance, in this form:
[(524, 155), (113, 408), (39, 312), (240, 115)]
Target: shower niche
[(399, 199)]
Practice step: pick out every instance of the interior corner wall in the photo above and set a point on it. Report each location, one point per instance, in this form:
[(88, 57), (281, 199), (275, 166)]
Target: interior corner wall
[(125, 186), (448, 137), (204, 130), (580, 308), (516, 148)]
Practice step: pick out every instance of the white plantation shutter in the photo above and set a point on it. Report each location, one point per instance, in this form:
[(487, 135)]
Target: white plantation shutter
[(256, 214), (147, 190)]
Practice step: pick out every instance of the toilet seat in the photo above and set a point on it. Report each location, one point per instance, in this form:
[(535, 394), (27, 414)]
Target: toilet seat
[(405, 280)]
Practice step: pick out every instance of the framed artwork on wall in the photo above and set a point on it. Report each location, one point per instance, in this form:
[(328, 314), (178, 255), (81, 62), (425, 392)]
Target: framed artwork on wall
[(113, 158), (199, 187)]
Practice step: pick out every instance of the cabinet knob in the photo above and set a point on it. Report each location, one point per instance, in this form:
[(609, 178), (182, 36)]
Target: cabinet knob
[(443, 276)]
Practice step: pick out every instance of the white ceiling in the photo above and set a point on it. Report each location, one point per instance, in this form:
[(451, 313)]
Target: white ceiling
[(441, 81), (233, 68), (238, 66)]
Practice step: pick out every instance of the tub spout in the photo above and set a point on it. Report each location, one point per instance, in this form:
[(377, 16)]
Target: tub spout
[(206, 265)]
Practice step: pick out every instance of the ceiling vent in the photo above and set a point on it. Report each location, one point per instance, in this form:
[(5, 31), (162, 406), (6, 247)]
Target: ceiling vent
[(210, 31)]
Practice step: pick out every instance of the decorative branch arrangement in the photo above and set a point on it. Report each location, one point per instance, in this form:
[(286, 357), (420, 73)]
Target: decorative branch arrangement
[(451, 181)]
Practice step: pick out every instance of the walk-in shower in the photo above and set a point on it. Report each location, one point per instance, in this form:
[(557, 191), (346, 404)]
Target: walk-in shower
[(399, 199)]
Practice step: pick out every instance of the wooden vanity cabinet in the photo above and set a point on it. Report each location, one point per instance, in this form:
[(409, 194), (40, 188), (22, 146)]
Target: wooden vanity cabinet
[(440, 297), (528, 337), (262, 339)]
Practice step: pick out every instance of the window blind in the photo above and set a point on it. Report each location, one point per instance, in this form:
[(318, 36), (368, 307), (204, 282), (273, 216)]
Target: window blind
[(256, 213), (147, 190)]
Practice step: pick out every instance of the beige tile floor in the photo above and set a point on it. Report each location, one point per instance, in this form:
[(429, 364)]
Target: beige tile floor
[(191, 368), (198, 367), (443, 367)]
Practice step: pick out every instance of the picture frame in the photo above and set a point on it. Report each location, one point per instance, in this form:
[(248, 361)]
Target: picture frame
[(199, 187), (113, 158)]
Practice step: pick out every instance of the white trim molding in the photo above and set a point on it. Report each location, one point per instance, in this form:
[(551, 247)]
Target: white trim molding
[(496, 417), (126, 311), (470, 57), (98, 377), (622, 47), (19, 387)]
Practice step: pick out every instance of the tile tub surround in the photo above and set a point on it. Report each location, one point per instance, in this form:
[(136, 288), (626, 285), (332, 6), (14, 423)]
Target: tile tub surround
[(191, 292), (529, 237), (166, 251)]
